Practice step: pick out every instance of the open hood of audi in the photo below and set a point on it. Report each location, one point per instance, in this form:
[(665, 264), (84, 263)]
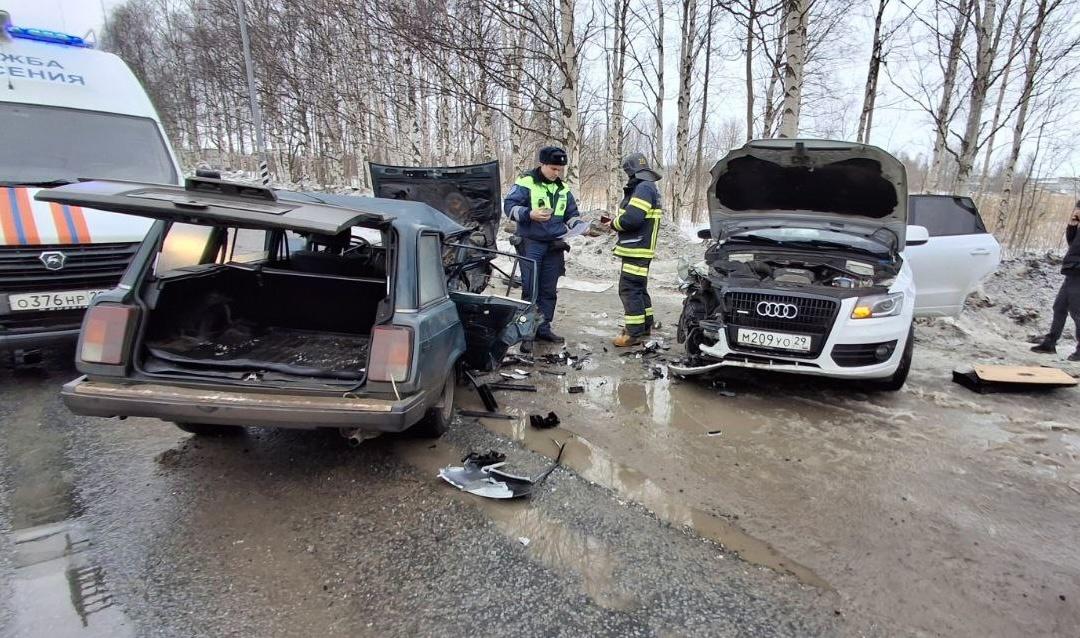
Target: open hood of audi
[(834, 185)]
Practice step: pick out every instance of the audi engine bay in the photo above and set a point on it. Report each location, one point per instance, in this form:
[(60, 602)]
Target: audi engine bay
[(758, 275)]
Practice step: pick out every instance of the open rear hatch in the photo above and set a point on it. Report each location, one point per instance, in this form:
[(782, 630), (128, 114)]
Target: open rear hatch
[(229, 300)]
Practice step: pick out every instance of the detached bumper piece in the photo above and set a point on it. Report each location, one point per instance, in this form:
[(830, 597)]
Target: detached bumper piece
[(239, 407)]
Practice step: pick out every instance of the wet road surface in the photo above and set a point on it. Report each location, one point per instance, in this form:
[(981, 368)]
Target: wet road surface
[(115, 528), (759, 506)]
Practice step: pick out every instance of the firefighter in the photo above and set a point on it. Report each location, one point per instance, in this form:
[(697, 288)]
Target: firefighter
[(543, 209), (638, 224)]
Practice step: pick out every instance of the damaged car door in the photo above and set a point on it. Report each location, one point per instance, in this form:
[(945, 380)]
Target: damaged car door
[(492, 319), (470, 195)]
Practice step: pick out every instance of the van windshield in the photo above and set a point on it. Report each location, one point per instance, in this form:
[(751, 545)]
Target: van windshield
[(45, 144)]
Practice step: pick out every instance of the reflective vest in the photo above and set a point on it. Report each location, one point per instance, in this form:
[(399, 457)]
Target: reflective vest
[(545, 195), (638, 222)]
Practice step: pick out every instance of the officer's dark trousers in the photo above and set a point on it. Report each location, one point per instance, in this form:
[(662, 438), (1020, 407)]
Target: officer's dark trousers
[(1067, 303), (549, 267), (634, 292)]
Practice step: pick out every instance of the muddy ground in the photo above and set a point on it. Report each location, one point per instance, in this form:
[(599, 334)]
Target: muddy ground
[(748, 505)]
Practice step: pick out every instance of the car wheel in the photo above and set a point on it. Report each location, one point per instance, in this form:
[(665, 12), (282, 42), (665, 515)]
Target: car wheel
[(437, 419), (203, 429), (899, 378)]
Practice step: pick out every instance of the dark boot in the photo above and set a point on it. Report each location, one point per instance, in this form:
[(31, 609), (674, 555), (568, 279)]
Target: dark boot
[(1045, 347), (549, 336), (527, 346), (1074, 356)]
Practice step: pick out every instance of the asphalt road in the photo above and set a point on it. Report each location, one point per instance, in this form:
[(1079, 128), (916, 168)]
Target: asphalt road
[(133, 528)]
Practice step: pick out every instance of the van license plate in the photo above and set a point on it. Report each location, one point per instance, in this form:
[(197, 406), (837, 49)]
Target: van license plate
[(778, 340), (38, 301)]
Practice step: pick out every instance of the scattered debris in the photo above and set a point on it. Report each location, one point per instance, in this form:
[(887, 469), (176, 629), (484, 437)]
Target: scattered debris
[(576, 389), (522, 372), (481, 474), (988, 378), (524, 540), (554, 373), (544, 422), (520, 387), (656, 372), (518, 359), (484, 390), (513, 375), (714, 433), (486, 415)]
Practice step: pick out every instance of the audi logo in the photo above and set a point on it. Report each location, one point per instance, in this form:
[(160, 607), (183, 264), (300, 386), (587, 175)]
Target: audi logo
[(777, 310)]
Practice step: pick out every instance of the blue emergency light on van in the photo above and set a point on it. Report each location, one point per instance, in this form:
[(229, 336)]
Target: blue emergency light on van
[(44, 35)]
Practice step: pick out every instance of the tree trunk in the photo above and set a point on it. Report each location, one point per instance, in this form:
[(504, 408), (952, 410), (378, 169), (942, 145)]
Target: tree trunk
[(751, 17), (658, 107), (1031, 68), (568, 63), (943, 115), (687, 56), (695, 196), (794, 66), (866, 117), (995, 122), (980, 87), (615, 124)]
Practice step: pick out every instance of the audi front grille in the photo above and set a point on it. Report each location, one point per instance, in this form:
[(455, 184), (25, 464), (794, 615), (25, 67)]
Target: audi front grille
[(799, 314)]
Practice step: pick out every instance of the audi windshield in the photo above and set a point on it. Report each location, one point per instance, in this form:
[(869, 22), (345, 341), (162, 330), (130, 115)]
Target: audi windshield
[(43, 145)]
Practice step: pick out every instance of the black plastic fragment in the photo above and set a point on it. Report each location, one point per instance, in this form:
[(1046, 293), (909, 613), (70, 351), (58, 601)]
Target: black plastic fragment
[(486, 415), (519, 387), (544, 422), (576, 389)]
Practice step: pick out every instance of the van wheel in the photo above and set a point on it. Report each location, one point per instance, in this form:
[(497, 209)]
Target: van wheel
[(437, 419), (203, 429), (899, 378)]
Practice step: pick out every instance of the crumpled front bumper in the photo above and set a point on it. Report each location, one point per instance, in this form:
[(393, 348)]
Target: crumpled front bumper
[(238, 407), (862, 331)]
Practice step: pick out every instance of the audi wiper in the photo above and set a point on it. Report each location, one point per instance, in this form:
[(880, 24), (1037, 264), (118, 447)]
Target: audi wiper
[(831, 245)]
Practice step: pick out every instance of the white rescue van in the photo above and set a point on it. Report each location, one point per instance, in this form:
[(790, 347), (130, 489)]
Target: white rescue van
[(67, 112)]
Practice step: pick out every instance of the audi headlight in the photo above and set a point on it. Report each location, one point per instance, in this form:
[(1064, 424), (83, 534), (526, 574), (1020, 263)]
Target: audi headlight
[(874, 306)]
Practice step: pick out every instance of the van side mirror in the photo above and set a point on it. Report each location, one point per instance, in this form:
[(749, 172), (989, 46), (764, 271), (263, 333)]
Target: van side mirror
[(704, 233), (917, 235)]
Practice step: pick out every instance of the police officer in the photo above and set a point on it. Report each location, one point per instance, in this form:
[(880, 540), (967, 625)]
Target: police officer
[(543, 208), (638, 224)]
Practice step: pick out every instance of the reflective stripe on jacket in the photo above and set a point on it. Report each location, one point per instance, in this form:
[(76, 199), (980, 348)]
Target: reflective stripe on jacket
[(530, 192), (638, 220)]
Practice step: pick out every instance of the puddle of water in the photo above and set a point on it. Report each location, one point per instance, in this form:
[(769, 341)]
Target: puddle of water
[(57, 590), (551, 542), (593, 464)]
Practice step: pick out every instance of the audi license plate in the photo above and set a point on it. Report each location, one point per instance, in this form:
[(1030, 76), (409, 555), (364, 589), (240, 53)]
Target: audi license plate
[(38, 301), (778, 340)]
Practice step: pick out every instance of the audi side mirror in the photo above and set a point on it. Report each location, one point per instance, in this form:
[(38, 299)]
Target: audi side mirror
[(917, 235)]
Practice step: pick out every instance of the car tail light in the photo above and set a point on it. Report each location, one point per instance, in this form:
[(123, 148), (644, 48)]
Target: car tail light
[(105, 333), (391, 353)]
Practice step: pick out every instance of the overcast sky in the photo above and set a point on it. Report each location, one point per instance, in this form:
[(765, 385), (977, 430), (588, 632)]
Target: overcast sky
[(898, 126)]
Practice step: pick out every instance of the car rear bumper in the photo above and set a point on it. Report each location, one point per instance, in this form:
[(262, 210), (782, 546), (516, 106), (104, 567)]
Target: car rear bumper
[(234, 407)]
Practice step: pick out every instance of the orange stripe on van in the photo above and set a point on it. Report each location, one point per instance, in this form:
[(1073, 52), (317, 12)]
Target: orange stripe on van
[(82, 231), (7, 220), (26, 214), (61, 224)]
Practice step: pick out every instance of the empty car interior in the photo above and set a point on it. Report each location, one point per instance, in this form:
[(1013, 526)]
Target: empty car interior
[(307, 313)]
